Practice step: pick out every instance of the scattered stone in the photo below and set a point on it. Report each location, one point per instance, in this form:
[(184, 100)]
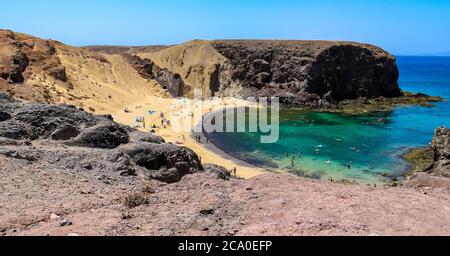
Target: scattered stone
[(54, 216), (135, 200), (64, 223), (207, 211)]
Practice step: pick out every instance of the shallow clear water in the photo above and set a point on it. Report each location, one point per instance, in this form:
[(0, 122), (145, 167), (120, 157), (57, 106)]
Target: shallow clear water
[(324, 144)]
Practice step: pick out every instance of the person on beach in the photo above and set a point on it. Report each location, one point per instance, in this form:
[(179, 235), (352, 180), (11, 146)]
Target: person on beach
[(233, 172), (143, 122)]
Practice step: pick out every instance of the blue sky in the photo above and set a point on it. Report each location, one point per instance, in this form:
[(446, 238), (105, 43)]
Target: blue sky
[(403, 27)]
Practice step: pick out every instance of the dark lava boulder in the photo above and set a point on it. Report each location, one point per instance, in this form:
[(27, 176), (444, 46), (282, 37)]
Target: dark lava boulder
[(64, 133), (306, 72), (221, 172), (4, 115), (33, 121), (107, 135), (146, 137), (163, 162)]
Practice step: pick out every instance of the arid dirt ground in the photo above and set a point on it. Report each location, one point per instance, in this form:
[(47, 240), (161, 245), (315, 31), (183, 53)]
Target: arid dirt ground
[(37, 201)]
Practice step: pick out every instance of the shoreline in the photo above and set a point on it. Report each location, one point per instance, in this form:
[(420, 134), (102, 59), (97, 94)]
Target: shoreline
[(392, 180), (223, 153), (210, 153)]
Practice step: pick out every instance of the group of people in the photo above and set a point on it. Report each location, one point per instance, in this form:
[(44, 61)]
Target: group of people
[(293, 158), (198, 138)]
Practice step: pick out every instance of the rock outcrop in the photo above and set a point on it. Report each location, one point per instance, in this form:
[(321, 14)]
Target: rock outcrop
[(299, 72), (23, 55), (143, 66), (64, 137), (306, 72), (147, 69), (170, 81), (438, 174)]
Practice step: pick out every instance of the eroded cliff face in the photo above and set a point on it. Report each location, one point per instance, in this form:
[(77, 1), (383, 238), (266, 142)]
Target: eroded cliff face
[(22, 56), (306, 72)]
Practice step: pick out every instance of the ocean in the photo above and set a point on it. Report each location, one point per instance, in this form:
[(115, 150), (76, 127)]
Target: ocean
[(360, 148)]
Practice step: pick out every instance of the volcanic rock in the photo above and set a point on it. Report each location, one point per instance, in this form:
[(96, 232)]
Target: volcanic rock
[(333, 71), (439, 174)]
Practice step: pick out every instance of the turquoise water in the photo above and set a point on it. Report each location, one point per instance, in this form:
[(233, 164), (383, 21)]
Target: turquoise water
[(325, 145)]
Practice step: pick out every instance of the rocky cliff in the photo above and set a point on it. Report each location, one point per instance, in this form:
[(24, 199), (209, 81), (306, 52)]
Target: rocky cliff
[(437, 172), (299, 72), (306, 72)]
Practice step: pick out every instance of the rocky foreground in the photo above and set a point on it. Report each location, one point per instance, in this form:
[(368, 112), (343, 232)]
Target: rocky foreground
[(66, 172)]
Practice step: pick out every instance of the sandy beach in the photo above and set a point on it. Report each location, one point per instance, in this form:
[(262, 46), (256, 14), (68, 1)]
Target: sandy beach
[(207, 151)]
